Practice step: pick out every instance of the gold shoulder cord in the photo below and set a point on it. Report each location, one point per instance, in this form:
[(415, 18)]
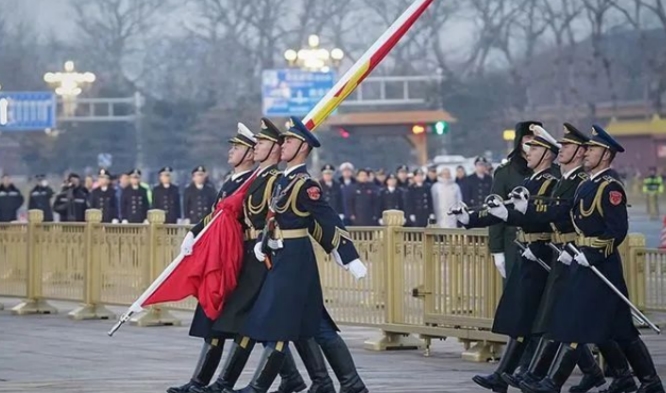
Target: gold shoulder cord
[(293, 200), (268, 190), (596, 203), (317, 232)]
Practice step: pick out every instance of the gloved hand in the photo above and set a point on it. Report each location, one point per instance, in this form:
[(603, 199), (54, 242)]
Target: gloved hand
[(188, 244), (342, 216), (114, 221), (357, 269), (500, 262), (381, 221), (275, 244), (461, 213), (529, 254), (412, 218), (125, 222), (565, 258), (582, 260), (497, 209), (520, 201), (258, 253)]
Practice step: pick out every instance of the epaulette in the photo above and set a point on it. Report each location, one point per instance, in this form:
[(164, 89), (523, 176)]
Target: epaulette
[(272, 172), (548, 176), (583, 176), (611, 179)]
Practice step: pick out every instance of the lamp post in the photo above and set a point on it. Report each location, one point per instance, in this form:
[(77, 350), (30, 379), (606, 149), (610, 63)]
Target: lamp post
[(68, 85)]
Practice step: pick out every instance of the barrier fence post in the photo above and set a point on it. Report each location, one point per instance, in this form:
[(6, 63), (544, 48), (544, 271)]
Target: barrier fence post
[(92, 285), (34, 302)]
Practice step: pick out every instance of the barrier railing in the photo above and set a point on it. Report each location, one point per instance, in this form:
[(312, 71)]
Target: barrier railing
[(430, 283)]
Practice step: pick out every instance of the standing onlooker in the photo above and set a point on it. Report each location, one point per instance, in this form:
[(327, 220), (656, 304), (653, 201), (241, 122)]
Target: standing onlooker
[(134, 202), (653, 187), (461, 175), (403, 177), (198, 198), (40, 197), (347, 183), (104, 197), (89, 183), (72, 201), (362, 201), (380, 178), (432, 175), (419, 202), (11, 200), (390, 197), (331, 190), (445, 195), (166, 196), (123, 183), (477, 185)]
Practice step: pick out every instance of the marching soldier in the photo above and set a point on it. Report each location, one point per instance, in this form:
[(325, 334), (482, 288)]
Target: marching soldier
[(134, 203), (594, 314), (478, 184), (520, 299), (331, 190), (419, 202), (166, 196), (104, 197), (40, 198), (11, 200), (72, 201), (390, 197), (241, 157), (289, 306), (198, 198), (363, 199)]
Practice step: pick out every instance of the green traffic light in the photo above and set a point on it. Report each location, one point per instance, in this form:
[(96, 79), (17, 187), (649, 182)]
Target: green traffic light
[(441, 127)]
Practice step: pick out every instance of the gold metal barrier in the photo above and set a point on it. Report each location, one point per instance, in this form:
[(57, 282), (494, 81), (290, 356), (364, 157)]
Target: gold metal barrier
[(422, 283)]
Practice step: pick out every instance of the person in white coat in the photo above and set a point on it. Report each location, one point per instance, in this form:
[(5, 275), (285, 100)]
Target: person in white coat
[(445, 195)]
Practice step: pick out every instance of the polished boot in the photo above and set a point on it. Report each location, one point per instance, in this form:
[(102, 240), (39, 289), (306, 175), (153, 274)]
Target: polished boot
[(538, 367), (592, 375), (315, 365), (338, 356), (209, 359), (641, 362), (507, 364), (267, 370), (564, 363), (237, 358), (623, 380), (290, 379)]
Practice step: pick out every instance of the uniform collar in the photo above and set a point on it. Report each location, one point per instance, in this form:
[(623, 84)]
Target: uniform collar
[(596, 175), (567, 176), (239, 174), (535, 174), (292, 169)]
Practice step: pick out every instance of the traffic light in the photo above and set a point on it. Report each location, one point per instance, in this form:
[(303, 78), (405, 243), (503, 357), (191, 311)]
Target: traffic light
[(418, 129), (441, 127)]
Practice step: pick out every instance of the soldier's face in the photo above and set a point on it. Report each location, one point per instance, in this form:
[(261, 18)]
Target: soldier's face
[(103, 181), (593, 157), (380, 178), (402, 175), (391, 182), (262, 149), (460, 173), (134, 180), (327, 176), (567, 152), (237, 154), (347, 174), (290, 148), (535, 155), (198, 177), (124, 181), (362, 177), (165, 178)]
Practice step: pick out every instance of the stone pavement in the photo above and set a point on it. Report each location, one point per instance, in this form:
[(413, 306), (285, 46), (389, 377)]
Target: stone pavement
[(51, 353)]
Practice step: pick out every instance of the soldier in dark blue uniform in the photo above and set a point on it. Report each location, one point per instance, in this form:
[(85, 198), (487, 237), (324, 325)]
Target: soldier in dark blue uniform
[(402, 172), (104, 197), (363, 201), (380, 178), (331, 190), (477, 186), (40, 198), (594, 314), (419, 206), (241, 157), (199, 196), (134, 202), (520, 299), (290, 303), (390, 197), (166, 196), (347, 184)]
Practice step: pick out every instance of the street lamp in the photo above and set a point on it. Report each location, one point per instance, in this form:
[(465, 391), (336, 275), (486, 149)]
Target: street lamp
[(314, 58), (68, 85)]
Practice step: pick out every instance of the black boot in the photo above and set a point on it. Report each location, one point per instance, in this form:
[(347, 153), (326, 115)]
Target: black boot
[(641, 362), (291, 380), (538, 367), (559, 372), (209, 359), (592, 375), (507, 364), (315, 365), (338, 356), (623, 381), (267, 370), (237, 358)]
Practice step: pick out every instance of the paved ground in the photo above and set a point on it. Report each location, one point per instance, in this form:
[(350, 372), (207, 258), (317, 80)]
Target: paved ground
[(53, 354)]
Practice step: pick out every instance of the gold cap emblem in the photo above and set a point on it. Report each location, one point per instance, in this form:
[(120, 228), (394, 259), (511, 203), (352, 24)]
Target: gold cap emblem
[(263, 125), (594, 131)]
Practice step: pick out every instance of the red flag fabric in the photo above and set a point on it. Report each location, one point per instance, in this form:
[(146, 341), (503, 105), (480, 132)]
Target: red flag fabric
[(210, 273)]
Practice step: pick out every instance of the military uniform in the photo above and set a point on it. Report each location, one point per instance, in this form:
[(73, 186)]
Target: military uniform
[(198, 202), (332, 192), (167, 197), (105, 199), (419, 205), (134, 202), (362, 204), (476, 188), (390, 199), (11, 200), (40, 199)]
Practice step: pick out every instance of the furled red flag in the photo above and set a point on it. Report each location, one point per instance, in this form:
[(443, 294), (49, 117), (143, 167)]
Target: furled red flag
[(210, 273)]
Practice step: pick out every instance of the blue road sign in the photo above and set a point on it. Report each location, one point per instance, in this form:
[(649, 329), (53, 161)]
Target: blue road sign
[(293, 92), (27, 111)]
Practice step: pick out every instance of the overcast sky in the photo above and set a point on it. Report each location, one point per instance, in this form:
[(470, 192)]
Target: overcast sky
[(48, 15)]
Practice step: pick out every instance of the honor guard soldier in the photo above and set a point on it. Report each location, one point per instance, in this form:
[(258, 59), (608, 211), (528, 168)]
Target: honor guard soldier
[(518, 306), (241, 157), (419, 202), (72, 201), (390, 197), (594, 313), (570, 158), (290, 305), (478, 184), (40, 197), (198, 197), (134, 202), (166, 196), (363, 201), (331, 190), (11, 200), (104, 197)]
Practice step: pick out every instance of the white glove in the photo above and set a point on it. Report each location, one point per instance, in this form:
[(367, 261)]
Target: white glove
[(565, 258), (258, 253), (500, 211), (412, 218), (125, 221), (500, 262), (275, 244), (187, 244), (381, 221), (357, 269), (342, 216), (114, 221), (529, 254), (145, 221), (519, 202), (580, 258), (460, 212)]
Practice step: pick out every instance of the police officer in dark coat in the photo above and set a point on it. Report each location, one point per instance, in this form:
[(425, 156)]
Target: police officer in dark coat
[(347, 184), (72, 201), (242, 158), (594, 314), (104, 197), (331, 190), (363, 201), (40, 198), (419, 204), (11, 200), (380, 178), (431, 177), (390, 197), (477, 186), (198, 198), (402, 172), (166, 196), (134, 201)]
